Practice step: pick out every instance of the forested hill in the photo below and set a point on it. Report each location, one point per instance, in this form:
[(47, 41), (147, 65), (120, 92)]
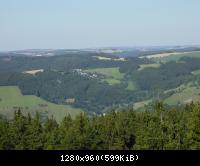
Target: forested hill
[(99, 82), (154, 129)]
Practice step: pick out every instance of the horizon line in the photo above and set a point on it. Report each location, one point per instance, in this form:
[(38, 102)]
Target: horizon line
[(104, 47)]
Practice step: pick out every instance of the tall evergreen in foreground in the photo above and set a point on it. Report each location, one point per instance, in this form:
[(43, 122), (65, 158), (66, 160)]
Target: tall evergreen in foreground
[(160, 129)]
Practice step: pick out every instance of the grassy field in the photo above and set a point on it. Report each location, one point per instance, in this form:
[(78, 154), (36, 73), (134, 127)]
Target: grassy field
[(34, 72), (141, 104), (11, 99), (184, 96), (109, 72), (144, 66), (176, 57), (111, 81), (113, 76), (131, 86), (180, 88), (196, 72)]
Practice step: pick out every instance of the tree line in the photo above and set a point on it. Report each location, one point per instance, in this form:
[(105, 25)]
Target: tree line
[(156, 129)]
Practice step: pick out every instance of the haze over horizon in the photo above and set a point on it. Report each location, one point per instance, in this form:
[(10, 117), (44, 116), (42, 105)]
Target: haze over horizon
[(75, 24)]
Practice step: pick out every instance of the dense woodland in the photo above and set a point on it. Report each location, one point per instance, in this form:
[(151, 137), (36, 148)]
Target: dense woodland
[(157, 128)]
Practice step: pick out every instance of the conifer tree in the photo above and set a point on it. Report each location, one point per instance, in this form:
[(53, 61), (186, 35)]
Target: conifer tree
[(193, 134), (35, 135)]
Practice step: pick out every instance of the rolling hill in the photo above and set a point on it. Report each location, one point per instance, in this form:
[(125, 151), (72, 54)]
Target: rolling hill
[(11, 99)]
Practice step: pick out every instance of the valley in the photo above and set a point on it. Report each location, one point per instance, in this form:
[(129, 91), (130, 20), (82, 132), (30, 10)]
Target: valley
[(78, 76), (93, 82)]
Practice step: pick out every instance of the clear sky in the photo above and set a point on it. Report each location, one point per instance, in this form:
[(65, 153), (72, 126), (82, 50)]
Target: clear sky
[(27, 24)]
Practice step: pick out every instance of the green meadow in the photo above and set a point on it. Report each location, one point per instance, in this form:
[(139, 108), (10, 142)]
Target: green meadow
[(11, 100), (195, 54), (184, 96), (131, 86), (144, 66), (113, 75)]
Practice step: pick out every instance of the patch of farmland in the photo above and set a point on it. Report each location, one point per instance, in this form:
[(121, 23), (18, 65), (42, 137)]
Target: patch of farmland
[(144, 66), (131, 86), (111, 81), (112, 75), (184, 96), (141, 104), (167, 57), (196, 72), (109, 72), (34, 72), (11, 100), (162, 55)]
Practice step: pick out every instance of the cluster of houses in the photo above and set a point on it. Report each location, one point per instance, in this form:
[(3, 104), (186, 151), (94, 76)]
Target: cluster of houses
[(85, 74)]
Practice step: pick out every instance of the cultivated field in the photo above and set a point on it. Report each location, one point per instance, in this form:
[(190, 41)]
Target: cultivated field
[(113, 76), (141, 104), (109, 72), (196, 72), (166, 57), (33, 72), (144, 66), (11, 99), (184, 96), (162, 55), (131, 86), (111, 81)]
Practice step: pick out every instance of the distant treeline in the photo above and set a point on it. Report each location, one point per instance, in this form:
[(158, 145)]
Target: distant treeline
[(155, 129)]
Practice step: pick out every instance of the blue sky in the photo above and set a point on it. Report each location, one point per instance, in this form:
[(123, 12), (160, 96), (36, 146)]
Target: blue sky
[(27, 24)]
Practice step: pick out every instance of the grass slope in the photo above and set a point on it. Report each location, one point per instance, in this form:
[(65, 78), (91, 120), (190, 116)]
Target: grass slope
[(196, 72), (34, 72), (113, 76), (184, 96), (131, 86), (112, 81), (143, 66), (11, 99), (176, 57), (141, 104)]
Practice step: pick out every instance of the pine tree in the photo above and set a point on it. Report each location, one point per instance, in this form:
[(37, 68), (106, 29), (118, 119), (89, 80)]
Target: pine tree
[(4, 139), (125, 127), (79, 132), (193, 134), (35, 135), (52, 139), (110, 130), (17, 131), (95, 137), (176, 129), (64, 131)]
